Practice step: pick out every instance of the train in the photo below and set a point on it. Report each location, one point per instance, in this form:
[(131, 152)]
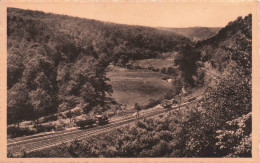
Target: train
[(90, 122), (169, 103)]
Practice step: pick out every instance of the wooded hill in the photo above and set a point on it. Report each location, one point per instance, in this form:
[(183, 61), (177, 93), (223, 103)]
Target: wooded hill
[(232, 43), (56, 62)]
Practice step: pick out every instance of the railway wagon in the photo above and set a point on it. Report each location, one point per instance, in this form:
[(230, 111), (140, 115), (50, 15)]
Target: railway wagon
[(90, 122), (85, 122), (101, 120), (169, 103), (166, 103)]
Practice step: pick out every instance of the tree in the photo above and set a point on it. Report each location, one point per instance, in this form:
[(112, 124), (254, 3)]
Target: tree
[(123, 60), (230, 99), (163, 70), (177, 84), (41, 102), (186, 61), (15, 67), (137, 108), (235, 139), (171, 71), (18, 104)]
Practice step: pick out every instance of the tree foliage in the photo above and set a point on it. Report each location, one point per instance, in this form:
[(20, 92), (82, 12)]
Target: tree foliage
[(187, 63)]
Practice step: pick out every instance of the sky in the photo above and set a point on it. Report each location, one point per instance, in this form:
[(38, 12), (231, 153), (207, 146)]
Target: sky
[(154, 14)]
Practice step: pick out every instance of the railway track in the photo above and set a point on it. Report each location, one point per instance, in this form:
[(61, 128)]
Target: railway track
[(35, 137), (34, 143)]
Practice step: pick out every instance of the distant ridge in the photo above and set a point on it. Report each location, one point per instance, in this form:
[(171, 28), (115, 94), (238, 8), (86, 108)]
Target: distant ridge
[(195, 34)]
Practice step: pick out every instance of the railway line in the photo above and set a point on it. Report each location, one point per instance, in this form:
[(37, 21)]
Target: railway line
[(34, 143), (34, 137)]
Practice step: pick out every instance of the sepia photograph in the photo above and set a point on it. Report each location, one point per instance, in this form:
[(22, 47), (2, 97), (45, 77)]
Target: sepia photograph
[(129, 80)]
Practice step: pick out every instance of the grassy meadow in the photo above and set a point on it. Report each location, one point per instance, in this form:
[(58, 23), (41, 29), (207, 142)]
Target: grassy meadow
[(132, 86), (155, 63)]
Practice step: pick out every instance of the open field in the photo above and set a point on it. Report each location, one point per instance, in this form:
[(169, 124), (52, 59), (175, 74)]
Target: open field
[(155, 63), (137, 86)]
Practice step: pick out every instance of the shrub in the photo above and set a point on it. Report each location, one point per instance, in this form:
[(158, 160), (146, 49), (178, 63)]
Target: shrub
[(10, 154), (68, 114), (73, 113), (48, 118), (16, 131), (152, 103), (77, 112), (163, 70), (60, 125), (46, 127), (165, 78), (169, 95), (12, 131), (62, 116)]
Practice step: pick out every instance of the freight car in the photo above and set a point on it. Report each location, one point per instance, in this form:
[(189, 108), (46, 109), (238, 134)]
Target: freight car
[(101, 120), (169, 103), (90, 122)]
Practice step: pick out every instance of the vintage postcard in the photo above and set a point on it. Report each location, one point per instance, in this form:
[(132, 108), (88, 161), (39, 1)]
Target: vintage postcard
[(129, 81)]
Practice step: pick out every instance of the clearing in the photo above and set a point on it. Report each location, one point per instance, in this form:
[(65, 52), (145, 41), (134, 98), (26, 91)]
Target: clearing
[(132, 86)]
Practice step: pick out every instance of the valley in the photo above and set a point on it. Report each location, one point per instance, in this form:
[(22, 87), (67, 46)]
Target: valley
[(190, 86)]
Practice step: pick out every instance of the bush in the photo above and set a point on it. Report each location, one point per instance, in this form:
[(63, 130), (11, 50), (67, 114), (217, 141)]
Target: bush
[(10, 154), (152, 103), (46, 127), (16, 131), (73, 113), (163, 70), (62, 116), (165, 78), (48, 118), (60, 125), (68, 114), (77, 112), (170, 94)]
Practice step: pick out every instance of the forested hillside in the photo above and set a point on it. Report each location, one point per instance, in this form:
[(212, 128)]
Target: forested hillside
[(232, 43), (219, 125), (57, 62)]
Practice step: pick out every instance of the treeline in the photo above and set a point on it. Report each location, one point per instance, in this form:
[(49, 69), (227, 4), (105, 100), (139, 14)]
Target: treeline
[(57, 62)]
